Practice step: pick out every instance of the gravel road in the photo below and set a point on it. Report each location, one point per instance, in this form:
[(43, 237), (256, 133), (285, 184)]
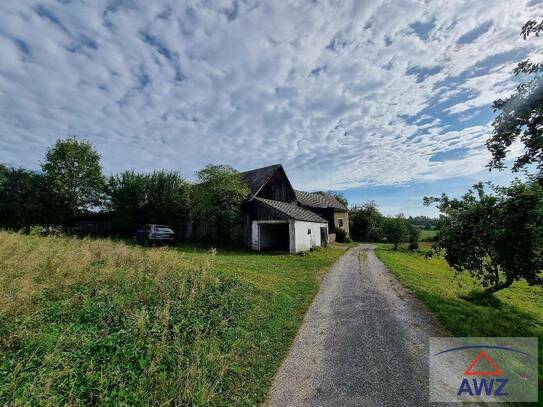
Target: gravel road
[(363, 342)]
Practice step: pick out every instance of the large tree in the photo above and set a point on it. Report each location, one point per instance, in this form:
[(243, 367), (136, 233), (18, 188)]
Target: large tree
[(74, 174), (218, 196), (497, 237), (25, 199), (366, 222), (521, 115), (159, 197)]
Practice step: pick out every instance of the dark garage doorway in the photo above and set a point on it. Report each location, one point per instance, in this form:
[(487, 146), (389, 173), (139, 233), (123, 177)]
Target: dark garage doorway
[(274, 236)]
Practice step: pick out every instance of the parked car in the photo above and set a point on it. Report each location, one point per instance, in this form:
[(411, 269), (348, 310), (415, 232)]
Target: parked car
[(155, 234)]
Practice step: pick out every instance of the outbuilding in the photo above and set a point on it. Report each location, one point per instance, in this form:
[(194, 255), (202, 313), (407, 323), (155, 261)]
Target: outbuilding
[(273, 217)]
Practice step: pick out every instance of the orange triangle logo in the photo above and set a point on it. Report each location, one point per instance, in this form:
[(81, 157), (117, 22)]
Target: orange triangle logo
[(497, 371)]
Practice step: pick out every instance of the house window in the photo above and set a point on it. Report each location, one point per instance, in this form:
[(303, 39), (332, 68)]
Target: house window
[(308, 231), (340, 222)]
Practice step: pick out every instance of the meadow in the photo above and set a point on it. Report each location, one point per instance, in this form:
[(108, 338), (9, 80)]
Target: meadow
[(427, 235), (104, 322), (460, 304)]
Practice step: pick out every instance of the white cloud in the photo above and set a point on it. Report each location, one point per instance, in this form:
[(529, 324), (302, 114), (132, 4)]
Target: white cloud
[(358, 93)]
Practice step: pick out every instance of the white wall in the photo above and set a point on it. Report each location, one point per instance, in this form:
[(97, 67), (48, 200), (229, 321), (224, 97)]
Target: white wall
[(255, 244), (302, 239)]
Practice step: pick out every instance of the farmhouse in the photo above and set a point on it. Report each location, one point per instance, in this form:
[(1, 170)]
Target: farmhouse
[(276, 217)]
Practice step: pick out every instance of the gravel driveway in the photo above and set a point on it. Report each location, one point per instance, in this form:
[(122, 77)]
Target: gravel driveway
[(363, 342)]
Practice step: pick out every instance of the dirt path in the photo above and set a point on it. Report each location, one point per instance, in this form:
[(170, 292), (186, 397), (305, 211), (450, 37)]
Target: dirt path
[(363, 342)]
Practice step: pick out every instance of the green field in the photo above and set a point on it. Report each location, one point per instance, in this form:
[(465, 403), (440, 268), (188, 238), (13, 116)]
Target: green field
[(104, 322), (426, 235), (458, 304)]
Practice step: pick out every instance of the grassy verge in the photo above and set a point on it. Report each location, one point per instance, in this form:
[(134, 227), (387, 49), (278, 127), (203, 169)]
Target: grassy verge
[(516, 311), (103, 322)]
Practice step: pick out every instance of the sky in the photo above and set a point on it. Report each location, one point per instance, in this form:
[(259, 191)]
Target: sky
[(383, 100)]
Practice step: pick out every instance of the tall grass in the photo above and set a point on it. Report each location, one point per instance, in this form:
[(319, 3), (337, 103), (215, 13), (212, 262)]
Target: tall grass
[(102, 322), (96, 321)]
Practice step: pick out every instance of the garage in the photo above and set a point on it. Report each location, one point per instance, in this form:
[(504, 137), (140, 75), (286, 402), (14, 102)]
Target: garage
[(274, 236)]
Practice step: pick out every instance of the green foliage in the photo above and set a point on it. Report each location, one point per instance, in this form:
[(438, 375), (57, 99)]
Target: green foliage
[(414, 245), (25, 199), (341, 236), (521, 115), (218, 197), (340, 197), (98, 322), (74, 174), (498, 237), (423, 222), (137, 199), (366, 222), (413, 236), (396, 230)]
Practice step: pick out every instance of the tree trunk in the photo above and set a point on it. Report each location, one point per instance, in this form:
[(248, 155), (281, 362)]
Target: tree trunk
[(499, 286)]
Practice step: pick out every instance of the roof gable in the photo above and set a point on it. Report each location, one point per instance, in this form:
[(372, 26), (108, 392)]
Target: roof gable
[(319, 200), (270, 183), (258, 177), (292, 211)]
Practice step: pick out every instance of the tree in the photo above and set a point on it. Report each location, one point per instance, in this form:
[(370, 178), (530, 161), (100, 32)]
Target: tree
[(25, 199), (73, 172), (497, 237), (366, 222), (340, 197), (521, 115), (396, 230), (413, 237), (137, 199), (423, 222), (218, 197)]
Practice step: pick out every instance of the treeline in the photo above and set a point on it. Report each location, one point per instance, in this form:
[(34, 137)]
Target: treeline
[(71, 185), (423, 222), (368, 224)]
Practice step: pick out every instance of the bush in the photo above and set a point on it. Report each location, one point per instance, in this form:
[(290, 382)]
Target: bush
[(341, 236), (413, 245), (396, 230)]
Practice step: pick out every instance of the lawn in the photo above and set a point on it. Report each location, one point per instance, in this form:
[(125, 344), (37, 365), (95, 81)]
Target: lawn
[(516, 311), (104, 322)]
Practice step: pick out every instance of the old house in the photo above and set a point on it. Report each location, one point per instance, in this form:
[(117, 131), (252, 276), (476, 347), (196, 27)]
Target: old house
[(276, 219), (327, 207)]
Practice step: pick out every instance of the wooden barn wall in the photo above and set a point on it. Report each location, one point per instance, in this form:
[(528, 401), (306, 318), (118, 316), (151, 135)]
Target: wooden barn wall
[(255, 210), (261, 211), (278, 189)]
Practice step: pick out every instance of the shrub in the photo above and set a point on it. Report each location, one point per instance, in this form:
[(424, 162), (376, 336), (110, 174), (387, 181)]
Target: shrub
[(396, 230), (341, 236)]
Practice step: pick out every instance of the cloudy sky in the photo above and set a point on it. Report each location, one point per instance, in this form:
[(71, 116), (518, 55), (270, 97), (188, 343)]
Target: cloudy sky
[(385, 100)]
